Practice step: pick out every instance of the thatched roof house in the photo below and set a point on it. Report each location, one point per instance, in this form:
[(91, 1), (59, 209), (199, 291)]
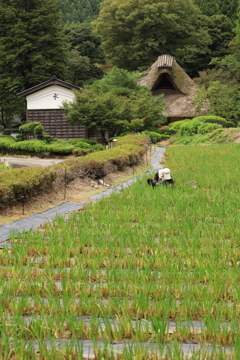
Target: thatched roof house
[(167, 77)]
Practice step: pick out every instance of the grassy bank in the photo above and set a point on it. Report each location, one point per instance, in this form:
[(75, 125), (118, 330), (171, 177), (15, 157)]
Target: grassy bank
[(20, 184)]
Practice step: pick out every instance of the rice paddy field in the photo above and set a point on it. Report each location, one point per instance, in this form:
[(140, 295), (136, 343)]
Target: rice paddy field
[(144, 274)]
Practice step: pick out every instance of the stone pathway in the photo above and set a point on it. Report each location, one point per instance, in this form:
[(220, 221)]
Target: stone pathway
[(34, 221)]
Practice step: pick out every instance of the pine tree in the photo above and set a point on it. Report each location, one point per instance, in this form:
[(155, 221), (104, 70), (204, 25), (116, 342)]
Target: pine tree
[(31, 45)]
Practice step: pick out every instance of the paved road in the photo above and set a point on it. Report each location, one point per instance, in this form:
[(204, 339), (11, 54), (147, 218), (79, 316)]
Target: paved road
[(18, 162)]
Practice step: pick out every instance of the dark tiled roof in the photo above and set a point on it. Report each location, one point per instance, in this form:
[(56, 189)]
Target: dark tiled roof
[(53, 81)]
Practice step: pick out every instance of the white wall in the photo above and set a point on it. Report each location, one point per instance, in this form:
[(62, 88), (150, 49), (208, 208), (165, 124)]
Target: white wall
[(45, 98)]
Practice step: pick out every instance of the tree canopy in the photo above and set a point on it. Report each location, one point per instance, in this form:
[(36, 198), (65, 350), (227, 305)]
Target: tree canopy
[(136, 33), (218, 7), (219, 87), (116, 104), (84, 54), (79, 11), (31, 44)]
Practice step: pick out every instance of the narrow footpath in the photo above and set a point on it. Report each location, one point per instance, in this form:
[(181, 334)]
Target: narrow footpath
[(34, 221)]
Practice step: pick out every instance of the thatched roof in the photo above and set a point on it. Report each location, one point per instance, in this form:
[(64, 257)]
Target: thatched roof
[(167, 77)]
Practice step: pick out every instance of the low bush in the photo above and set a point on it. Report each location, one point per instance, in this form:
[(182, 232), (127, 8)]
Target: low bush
[(196, 127), (28, 129), (39, 132), (175, 126), (215, 120), (155, 137), (82, 143), (5, 142), (29, 147), (47, 147), (57, 148)]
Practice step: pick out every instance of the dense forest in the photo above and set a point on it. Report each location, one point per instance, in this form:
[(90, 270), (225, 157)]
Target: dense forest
[(88, 10), (79, 40)]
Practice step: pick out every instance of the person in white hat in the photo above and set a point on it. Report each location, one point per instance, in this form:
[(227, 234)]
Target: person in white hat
[(164, 175)]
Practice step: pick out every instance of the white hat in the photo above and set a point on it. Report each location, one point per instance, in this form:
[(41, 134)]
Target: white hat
[(167, 174)]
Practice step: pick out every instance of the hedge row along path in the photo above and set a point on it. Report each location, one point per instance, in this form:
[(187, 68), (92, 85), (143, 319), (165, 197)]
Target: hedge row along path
[(34, 221)]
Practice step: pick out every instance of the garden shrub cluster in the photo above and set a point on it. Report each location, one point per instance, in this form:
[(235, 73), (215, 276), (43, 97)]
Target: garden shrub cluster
[(196, 127), (175, 126), (33, 130), (155, 136), (215, 120), (5, 142), (44, 148), (27, 182), (201, 129)]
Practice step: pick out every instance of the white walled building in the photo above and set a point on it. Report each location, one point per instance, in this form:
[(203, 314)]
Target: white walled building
[(44, 103)]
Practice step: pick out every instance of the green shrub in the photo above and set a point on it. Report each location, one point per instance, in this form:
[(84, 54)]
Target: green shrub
[(196, 127), (99, 147), (90, 142), (78, 143), (47, 138), (29, 146), (215, 120), (155, 137), (39, 132), (5, 142), (155, 130), (60, 148), (175, 126), (28, 129), (21, 137)]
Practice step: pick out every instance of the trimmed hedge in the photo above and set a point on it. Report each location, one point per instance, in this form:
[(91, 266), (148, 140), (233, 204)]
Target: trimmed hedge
[(43, 148), (155, 137), (27, 182), (5, 142)]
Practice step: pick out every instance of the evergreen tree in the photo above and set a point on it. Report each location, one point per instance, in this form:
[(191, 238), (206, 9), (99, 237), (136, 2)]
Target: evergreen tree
[(210, 7), (228, 8), (218, 7), (31, 44), (79, 10), (84, 55)]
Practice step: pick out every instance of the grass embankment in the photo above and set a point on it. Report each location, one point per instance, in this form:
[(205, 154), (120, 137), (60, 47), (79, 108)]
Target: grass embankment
[(28, 182), (207, 129), (142, 257)]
